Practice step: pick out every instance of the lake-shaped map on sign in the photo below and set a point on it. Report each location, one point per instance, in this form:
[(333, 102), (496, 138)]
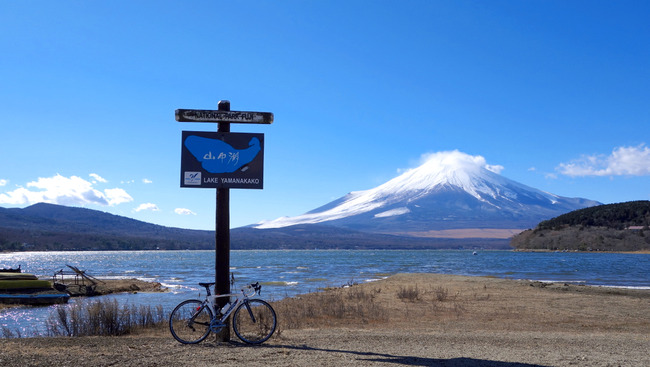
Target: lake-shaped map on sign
[(217, 156)]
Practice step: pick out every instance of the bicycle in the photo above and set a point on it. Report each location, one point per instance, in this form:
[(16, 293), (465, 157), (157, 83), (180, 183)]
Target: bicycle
[(253, 320)]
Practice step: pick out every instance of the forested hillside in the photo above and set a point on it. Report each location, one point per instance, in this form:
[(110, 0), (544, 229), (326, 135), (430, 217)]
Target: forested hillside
[(612, 227), (48, 227), (618, 216)]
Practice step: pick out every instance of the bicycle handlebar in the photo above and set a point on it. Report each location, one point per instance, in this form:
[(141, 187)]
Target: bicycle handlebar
[(257, 288)]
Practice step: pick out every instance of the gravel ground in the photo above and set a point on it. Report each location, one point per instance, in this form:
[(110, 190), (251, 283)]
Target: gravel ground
[(447, 321)]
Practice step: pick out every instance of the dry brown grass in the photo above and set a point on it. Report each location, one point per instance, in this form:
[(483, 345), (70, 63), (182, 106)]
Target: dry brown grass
[(365, 304), (409, 293), (474, 303), (104, 318), (330, 308)]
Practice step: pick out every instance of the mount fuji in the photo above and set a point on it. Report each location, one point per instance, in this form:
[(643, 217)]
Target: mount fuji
[(451, 195)]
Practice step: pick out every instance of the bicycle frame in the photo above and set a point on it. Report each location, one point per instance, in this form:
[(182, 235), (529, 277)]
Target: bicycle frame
[(254, 320), (211, 300)]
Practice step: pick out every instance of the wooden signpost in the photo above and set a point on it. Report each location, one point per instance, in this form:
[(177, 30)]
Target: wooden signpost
[(224, 117)]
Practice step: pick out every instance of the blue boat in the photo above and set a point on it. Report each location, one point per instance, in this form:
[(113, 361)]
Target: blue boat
[(21, 288), (42, 299)]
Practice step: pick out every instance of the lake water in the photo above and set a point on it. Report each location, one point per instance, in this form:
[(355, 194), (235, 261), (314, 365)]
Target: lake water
[(287, 273)]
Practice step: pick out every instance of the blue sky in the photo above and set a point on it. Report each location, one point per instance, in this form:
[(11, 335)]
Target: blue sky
[(555, 92)]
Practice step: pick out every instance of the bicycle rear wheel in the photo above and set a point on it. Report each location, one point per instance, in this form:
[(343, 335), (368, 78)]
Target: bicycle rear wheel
[(254, 321), (189, 322)]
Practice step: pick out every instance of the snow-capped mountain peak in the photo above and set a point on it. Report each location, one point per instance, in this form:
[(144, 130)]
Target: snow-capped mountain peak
[(451, 168), (446, 185)]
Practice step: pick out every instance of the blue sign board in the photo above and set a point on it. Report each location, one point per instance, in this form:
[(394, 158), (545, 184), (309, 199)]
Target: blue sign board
[(222, 160)]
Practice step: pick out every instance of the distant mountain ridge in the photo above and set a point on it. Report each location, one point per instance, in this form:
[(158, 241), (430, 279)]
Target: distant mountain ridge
[(45, 226), (450, 192), (453, 200), (50, 227)]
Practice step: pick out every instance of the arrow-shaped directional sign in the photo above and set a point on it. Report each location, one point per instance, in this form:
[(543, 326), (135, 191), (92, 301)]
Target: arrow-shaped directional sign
[(242, 117)]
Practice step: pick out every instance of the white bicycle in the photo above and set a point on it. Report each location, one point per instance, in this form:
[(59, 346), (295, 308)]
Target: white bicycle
[(253, 321)]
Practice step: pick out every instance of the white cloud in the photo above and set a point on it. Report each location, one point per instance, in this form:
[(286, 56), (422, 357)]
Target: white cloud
[(147, 206), (3, 182), (146, 180), (494, 168), (183, 211), (65, 191), (97, 177), (624, 161), (457, 158), (117, 196)]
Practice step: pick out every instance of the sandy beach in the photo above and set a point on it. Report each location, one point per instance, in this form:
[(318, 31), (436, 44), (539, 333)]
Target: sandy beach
[(408, 320)]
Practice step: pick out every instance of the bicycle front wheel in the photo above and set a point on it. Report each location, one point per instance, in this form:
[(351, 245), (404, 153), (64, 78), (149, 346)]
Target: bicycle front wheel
[(254, 321), (190, 321)]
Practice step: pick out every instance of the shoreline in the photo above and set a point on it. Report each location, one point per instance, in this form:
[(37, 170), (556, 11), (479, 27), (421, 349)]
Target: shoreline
[(365, 249), (641, 252), (111, 286), (408, 319)]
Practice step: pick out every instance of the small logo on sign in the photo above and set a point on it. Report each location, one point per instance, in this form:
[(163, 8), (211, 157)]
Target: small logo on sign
[(192, 178)]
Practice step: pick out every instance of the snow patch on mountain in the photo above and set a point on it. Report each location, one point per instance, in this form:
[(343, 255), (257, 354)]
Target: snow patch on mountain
[(393, 212)]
